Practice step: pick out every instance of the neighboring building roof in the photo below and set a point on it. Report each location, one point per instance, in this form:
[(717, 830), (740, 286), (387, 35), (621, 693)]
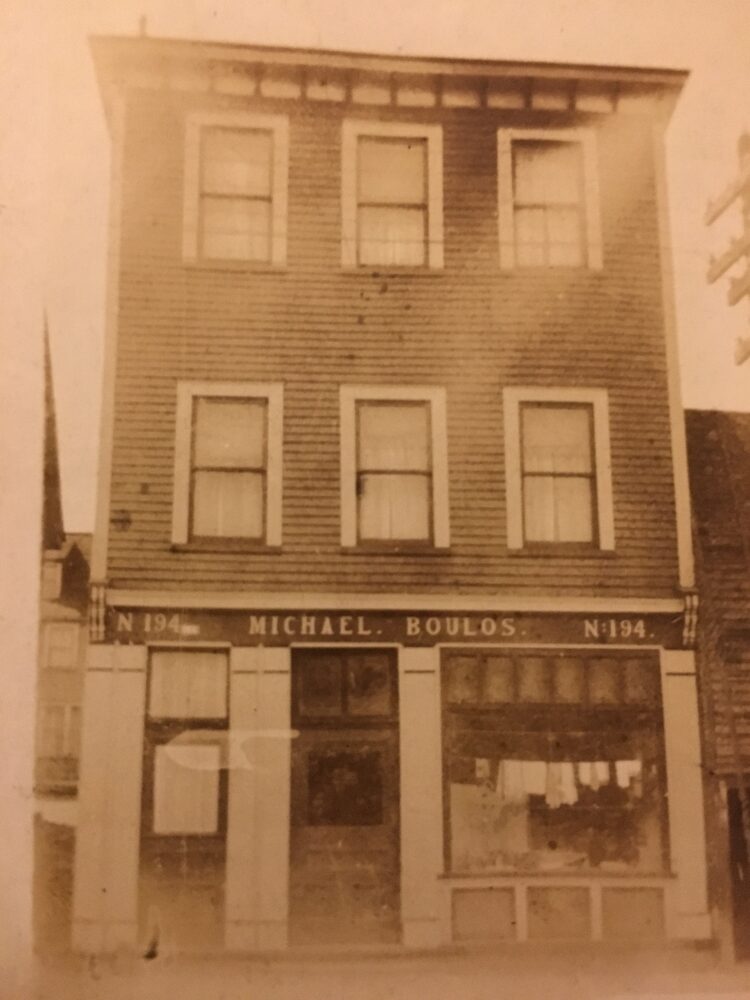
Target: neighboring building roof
[(53, 534), (719, 456)]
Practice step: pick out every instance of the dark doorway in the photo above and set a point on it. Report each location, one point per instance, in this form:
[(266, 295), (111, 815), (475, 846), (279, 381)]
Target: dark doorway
[(344, 864), (740, 876)]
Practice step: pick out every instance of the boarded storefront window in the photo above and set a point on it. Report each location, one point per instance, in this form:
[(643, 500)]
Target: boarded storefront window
[(553, 763)]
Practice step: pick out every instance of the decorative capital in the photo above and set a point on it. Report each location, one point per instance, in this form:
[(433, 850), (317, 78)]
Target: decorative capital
[(97, 608)]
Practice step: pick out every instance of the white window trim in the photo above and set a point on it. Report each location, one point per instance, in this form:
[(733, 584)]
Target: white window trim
[(278, 125), (598, 400), (351, 132), (587, 138), (186, 393), (436, 397)]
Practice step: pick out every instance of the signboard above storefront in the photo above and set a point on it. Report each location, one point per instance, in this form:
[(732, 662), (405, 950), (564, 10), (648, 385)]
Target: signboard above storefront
[(284, 628)]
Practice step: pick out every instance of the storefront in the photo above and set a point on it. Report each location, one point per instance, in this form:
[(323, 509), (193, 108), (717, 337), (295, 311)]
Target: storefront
[(294, 777)]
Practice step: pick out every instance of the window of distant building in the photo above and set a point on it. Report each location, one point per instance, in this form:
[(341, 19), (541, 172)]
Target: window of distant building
[(558, 469), (394, 488), (392, 195), (548, 192), (228, 463), (236, 169)]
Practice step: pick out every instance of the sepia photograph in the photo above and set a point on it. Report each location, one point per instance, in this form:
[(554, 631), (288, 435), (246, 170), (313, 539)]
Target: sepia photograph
[(376, 429)]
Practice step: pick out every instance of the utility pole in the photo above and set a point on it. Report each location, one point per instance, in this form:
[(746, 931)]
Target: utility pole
[(739, 288)]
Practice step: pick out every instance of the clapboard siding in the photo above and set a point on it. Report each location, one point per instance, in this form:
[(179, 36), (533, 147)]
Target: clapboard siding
[(469, 328)]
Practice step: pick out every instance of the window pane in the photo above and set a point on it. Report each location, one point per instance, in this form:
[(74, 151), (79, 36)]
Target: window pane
[(604, 682), (564, 237), (235, 228), (394, 436), (186, 789), (530, 237), (228, 505), (188, 685), (498, 679), (62, 645), (392, 236), (230, 432), (546, 172), (557, 509), (52, 735), (393, 507), (236, 162), (392, 171), (369, 686), (320, 686), (556, 438)]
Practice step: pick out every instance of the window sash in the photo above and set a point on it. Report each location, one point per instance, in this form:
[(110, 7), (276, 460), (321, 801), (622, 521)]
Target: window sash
[(387, 509), (235, 219), (560, 473), (243, 515)]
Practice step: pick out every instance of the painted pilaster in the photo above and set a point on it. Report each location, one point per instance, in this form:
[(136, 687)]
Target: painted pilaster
[(257, 876), (105, 898), (690, 917), (421, 797)]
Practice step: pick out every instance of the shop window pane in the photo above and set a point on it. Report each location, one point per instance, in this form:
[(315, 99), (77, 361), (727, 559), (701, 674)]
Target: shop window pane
[(641, 682), (188, 685), (498, 680), (604, 682), (462, 680), (533, 679), (369, 686), (345, 788), (320, 687), (186, 789), (569, 680)]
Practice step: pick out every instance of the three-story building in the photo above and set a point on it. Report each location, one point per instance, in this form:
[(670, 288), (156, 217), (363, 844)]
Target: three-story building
[(392, 598)]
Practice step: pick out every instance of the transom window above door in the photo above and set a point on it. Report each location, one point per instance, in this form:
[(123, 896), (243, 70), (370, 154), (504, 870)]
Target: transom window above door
[(392, 195)]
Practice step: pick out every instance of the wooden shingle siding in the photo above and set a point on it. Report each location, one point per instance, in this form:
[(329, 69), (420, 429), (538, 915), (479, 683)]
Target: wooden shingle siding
[(470, 328)]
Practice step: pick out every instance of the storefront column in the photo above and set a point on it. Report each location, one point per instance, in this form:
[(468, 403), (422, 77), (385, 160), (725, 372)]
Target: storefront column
[(257, 872), (421, 797), (105, 894), (690, 918)]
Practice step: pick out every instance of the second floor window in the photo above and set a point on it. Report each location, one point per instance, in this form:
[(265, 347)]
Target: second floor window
[(228, 463), (558, 476), (393, 467), (236, 168), (558, 468)]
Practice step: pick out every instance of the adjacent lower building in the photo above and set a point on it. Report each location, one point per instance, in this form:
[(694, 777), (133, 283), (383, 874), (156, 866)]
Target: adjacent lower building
[(719, 450), (393, 604)]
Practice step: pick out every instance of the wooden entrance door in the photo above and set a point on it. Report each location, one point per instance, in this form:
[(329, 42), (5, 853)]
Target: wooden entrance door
[(344, 864)]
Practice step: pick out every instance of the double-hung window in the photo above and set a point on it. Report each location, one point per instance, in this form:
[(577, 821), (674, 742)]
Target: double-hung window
[(558, 470), (392, 195), (548, 198), (228, 463), (394, 467), (236, 170)]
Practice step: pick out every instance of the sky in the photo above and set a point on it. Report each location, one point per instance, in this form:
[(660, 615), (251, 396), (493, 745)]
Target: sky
[(70, 151)]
